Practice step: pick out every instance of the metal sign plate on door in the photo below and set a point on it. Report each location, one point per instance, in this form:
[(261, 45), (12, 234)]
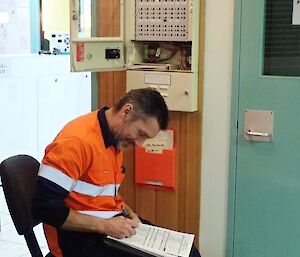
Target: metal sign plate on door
[(258, 125)]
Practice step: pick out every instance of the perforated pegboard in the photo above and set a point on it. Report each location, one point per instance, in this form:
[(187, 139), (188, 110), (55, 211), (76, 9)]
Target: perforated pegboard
[(163, 20)]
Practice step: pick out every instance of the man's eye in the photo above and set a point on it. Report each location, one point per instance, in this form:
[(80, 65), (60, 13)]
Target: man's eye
[(142, 134)]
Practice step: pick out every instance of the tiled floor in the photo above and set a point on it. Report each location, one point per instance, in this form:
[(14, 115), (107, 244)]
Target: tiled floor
[(12, 244)]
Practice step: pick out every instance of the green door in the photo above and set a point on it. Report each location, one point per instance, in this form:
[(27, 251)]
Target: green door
[(264, 187)]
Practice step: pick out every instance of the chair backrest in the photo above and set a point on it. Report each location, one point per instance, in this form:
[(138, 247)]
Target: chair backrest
[(18, 176)]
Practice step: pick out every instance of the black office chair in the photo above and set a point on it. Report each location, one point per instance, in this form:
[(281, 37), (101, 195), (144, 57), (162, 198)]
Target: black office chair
[(18, 175)]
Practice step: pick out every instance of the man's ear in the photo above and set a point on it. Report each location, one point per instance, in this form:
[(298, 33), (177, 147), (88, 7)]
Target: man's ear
[(127, 108)]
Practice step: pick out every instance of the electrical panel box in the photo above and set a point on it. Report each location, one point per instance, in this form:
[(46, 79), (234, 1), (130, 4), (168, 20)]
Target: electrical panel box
[(164, 20), (157, 44), (176, 88)]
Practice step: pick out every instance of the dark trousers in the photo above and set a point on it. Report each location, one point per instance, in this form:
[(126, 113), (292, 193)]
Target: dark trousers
[(77, 244)]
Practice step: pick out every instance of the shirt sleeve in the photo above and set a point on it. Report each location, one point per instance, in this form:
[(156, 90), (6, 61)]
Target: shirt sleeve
[(61, 167), (48, 203), (68, 155)]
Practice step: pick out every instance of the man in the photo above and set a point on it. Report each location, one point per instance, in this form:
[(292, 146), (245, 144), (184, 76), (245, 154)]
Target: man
[(77, 188)]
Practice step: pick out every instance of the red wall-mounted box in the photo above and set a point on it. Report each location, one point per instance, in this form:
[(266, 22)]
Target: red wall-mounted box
[(155, 170)]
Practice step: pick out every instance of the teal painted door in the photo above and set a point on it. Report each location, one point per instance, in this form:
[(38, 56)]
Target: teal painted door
[(266, 216)]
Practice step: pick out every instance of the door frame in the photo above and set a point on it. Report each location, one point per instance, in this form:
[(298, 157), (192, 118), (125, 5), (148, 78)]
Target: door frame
[(234, 127), (35, 26)]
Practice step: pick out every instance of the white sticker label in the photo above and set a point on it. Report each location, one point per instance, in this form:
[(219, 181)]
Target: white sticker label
[(157, 79)]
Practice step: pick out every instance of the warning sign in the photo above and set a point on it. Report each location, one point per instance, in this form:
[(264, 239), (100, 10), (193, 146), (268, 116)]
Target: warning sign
[(80, 52)]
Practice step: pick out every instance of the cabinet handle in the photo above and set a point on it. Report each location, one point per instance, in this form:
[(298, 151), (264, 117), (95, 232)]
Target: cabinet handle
[(258, 134)]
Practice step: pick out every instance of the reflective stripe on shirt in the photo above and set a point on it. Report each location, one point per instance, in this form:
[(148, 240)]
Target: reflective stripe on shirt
[(86, 188), (101, 214), (56, 176), (81, 187)]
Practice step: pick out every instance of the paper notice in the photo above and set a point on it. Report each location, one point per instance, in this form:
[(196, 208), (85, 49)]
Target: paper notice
[(163, 140)]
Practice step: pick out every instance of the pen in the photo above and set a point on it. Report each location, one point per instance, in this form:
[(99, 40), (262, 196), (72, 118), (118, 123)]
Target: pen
[(124, 212)]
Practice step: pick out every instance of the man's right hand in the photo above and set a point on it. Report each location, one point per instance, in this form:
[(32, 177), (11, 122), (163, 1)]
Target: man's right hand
[(121, 227)]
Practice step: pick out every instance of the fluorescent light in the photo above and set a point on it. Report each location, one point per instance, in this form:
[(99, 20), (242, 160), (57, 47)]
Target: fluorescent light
[(4, 17)]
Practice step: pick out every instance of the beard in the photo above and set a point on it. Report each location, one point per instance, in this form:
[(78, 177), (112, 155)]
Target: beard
[(123, 139), (122, 145)]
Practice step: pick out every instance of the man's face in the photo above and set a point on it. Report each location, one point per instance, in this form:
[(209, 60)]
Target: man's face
[(135, 132)]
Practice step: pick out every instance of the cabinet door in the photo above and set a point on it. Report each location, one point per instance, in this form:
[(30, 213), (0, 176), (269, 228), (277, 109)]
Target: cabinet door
[(60, 99), (18, 117), (93, 46), (30, 116)]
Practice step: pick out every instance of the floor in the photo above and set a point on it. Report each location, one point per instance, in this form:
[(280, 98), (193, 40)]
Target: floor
[(12, 244)]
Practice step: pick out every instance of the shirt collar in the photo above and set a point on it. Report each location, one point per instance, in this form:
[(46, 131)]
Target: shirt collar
[(108, 137)]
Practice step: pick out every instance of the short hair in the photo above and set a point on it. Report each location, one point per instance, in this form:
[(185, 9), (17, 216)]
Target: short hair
[(146, 102)]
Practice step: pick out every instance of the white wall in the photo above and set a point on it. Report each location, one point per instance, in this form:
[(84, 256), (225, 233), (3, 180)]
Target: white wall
[(216, 119), (58, 9)]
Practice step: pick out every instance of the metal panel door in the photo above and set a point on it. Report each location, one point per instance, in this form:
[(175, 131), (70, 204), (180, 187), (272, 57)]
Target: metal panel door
[(91, 47), (264, 192)]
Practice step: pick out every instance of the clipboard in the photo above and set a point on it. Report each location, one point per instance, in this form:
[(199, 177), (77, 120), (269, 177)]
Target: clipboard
[(151, 240), (125, 248)]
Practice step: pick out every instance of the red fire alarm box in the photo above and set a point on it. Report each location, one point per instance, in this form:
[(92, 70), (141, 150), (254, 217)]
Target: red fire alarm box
[(155, 162)]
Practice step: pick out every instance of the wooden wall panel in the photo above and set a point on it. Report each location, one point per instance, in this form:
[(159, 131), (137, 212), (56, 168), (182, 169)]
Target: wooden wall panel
[(116, 23), (106, 90), (119, 84), (178, 210), (167, 209), (105, 16), (108, 13), (146, 203), (128, 188)]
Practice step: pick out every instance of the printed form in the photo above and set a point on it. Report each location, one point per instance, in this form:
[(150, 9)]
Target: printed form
[(160, 241)]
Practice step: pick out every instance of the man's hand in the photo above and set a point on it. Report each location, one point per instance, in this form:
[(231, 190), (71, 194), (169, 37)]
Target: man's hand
[(129, 213), (134, 217), (121, 227)]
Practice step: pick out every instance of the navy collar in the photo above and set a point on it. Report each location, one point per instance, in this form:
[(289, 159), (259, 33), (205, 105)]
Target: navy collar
[(108, 137)]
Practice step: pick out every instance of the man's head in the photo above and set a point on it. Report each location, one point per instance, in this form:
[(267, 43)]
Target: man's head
[(138, 115)]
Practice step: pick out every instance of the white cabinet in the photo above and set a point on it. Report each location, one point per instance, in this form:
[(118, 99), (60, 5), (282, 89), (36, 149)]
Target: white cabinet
[(38, 96), (60, 99), (18, 120)]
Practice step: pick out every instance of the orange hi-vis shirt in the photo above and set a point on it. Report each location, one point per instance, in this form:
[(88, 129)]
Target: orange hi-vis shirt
[(78, 161)]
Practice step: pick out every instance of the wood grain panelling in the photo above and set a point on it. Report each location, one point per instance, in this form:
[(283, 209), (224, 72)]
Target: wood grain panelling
[(109, 18), (146, 203), (180, 209), (116, 23), (119, 84), (106, 90), (128, 186)]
